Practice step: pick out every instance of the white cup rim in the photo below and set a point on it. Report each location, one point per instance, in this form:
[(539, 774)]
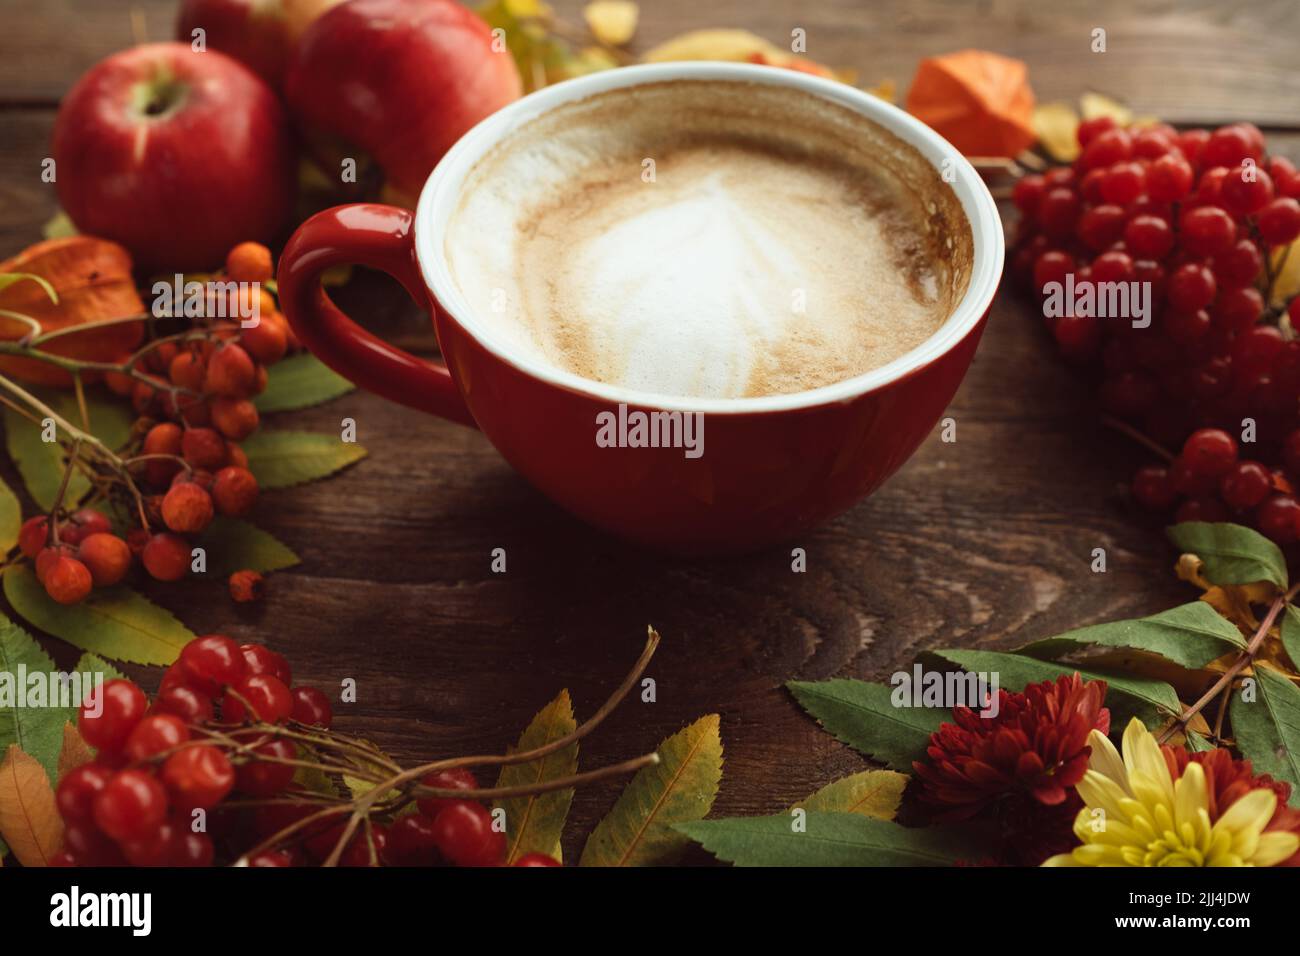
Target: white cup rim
[(439, 197)]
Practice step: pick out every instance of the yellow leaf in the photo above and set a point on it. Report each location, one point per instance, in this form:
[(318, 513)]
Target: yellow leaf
[(885, 90), (612, 21), (75, 750), (638, 831), (535, 823), (872, 793), (29, 819), (1095, 106), (738, 45), (1056, 125), (529, 9), (1286, 263)]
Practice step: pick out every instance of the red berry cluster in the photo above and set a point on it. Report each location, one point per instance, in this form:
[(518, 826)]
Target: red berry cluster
[(1198, 215), (156, 764)]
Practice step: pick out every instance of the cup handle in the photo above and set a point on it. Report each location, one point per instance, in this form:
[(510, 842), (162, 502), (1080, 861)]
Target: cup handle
[(380, 237)]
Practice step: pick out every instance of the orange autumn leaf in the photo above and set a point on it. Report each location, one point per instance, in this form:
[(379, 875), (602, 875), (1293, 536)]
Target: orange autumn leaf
[(92, 278), (29, 819), (75, 750), (979, 101)]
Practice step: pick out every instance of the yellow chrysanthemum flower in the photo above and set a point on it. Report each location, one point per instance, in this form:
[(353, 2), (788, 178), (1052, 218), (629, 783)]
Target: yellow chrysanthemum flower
[(1136, 814)]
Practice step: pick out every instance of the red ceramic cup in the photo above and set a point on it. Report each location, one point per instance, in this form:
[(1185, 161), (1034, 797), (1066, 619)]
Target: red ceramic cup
[(772, 468)]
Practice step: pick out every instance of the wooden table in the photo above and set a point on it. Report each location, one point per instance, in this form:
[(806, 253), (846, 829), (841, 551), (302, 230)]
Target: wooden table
[(983, 542)]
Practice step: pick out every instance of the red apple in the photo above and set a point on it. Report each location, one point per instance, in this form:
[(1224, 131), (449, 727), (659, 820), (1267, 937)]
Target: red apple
[(176, 155), (400, 79), (258, 33)]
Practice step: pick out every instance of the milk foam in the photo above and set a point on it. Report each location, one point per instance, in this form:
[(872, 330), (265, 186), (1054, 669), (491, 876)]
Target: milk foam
[(748, 264)]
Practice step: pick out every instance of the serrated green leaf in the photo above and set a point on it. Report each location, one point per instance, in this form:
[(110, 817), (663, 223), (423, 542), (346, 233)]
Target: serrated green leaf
[(281, 459), (37, 730), (300, 381), (534, 824), (1267, 729), (863, 715), (1191, 635), (235, 545), (827, 839), (1232, 554), (115, 622), (42, 463), (638, 831), (1152, 701), (871, 793), (11, 517), (358, 786), (1291, 633), (1197, 743)]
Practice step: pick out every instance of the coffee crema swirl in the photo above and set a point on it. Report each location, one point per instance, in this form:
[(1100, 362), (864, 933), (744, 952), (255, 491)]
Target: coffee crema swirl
[(709, 239)]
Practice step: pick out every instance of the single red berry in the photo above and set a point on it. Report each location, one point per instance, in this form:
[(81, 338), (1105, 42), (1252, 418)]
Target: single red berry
[(89, 847), (1279, 221), (272, 858), (234, 490), (267, 341), (1149, 237), (1207, 230), (536, 859), (235, 418), (1026, 193), (1188, 481), (212, 662), (1123, 183), (1090, 129), (246, 586), (260, 659), (187, 508), (1153, 489), (1058, 211), (106, 556), (1279, 518), (184, 702), (1229, 145), (1210, 451), (77, 790), (457, 778), (82, 524), (67, 580), (231, 372), (1246, 190), (204, 448), (1169, 179), (312, 707), (267, 696), (260, 777), (132, 805), (1238, 265), (198, 777), (1102, 226), (163, 439), (155, 734), (166, 556), (1246, 485), (411, 842), (110, 713), (34, 535), (1191, 287), (464, 835), (1106, 149)]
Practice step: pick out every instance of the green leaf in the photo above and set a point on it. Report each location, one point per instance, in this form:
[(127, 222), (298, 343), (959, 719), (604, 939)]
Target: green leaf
[(1267, 729), (9, 278), (638, 831), (534, 824), (1231, 553), (11, 517), (282, 459), (864, 716), (1197, 743), (42, 463), (828, 839), (1291, 633), (115, 622), (94, 664), (1191, 635), (1152, 701), (60, 226), (37, 730), (234, 545), (301, 381), (871, 793)]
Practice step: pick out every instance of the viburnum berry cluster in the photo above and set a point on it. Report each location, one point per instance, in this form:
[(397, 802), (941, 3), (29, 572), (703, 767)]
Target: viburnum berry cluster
[(1205, 217), (193, 390), (228, 734)]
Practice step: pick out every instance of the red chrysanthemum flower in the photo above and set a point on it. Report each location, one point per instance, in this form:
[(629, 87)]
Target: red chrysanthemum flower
[(1036, 747), (1227, 779)]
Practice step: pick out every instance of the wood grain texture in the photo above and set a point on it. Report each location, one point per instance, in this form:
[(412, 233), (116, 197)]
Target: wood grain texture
[(982, 542)]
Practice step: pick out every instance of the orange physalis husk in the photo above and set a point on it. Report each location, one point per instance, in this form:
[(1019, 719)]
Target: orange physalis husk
[(979, 101), (93, 280)]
